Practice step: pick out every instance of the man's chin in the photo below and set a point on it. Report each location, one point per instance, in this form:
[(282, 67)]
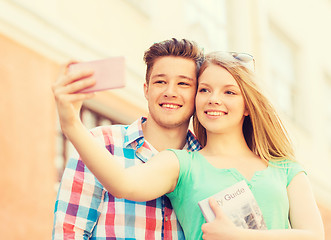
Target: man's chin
[(173, 124), (169, 121)]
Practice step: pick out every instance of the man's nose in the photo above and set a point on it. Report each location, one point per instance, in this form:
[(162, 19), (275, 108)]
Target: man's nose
[(170, 91)]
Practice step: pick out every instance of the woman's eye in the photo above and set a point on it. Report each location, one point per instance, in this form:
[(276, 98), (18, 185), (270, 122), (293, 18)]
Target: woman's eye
[(230, 92), (203, 90)]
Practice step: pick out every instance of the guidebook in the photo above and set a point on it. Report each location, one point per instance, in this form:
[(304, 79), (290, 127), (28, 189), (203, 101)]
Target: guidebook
[(239, 204)]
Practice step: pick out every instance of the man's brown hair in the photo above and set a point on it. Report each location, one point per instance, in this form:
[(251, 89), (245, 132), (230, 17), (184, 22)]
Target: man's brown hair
[(173, 47)]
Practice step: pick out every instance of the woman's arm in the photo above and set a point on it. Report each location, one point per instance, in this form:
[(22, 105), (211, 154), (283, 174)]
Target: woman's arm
[(139, 183), (305, 219), (304, 213)]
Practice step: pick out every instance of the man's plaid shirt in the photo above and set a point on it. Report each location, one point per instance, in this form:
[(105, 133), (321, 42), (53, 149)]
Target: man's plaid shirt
[(85, 210)]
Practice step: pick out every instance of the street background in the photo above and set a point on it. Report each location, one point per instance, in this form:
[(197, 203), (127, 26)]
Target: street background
[(289, 39)]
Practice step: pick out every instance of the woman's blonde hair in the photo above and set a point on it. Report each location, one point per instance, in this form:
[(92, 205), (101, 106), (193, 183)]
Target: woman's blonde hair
[(263, 130)]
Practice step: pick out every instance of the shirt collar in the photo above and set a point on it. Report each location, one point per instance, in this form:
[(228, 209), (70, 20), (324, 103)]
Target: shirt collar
[(192, 143), (134, 134), (135, 137)]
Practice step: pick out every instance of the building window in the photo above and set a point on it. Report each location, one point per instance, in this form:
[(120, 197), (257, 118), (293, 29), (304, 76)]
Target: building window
[(283, 80), (65, 149), (207, 23)]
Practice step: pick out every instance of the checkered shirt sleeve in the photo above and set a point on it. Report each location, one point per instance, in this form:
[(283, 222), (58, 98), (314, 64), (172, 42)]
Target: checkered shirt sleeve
[(85, 210)]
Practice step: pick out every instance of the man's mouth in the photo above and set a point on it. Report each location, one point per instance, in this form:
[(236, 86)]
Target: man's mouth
[(170, 105)]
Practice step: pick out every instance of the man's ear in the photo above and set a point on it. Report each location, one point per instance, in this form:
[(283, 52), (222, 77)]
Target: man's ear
[(146, 91)]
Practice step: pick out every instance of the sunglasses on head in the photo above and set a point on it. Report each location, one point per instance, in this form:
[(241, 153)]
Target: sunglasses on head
[(245, 59)]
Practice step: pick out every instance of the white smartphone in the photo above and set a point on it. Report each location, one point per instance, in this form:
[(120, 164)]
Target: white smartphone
[(109, 73)]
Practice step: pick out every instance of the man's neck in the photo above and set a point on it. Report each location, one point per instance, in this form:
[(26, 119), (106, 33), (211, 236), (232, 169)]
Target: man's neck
[(162, 138)]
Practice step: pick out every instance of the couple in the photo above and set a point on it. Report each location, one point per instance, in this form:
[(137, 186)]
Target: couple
[(238, 137)]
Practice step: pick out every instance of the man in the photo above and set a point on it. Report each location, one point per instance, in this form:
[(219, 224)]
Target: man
[(84, 209)]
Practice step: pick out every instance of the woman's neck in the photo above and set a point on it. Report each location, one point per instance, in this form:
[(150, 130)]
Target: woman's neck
[(231, 151), (226, 145)]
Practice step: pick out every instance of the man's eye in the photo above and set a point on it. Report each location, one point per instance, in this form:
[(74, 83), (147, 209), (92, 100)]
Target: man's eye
[(183, 83), (160, 82)]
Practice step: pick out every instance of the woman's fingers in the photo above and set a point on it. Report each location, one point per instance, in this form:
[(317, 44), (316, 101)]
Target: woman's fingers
[(71, 83), (72, 98), (76, 86), (69, 94), (73, 76)]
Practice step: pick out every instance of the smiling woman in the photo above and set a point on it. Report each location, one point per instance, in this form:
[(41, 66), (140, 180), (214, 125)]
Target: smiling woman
[(219, 99), (260, 116)]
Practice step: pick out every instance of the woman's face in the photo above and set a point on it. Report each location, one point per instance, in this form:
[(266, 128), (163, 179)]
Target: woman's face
[(220, 105)]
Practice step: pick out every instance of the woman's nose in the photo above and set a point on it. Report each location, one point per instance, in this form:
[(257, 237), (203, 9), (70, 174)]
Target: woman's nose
[(215, 99)]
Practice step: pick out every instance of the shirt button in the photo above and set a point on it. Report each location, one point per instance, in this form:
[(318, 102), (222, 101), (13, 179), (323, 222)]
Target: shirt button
[(166, 218)]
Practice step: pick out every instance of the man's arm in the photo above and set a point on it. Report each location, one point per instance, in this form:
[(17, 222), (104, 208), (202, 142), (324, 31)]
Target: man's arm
[(79, 193)]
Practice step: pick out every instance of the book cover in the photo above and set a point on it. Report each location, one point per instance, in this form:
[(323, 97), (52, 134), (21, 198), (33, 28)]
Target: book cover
[(239, 204)]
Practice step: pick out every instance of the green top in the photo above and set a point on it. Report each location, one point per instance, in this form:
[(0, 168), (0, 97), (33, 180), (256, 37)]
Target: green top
[(198, 180)]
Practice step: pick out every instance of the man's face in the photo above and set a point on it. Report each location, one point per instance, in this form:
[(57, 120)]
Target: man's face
[(171, 91)]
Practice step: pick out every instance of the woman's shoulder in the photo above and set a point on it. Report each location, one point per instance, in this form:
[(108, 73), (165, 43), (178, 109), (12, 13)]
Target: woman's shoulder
[(289, 168), (284, 163)]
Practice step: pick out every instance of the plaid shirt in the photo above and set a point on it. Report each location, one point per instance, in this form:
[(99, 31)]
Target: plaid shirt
[(85, 210)]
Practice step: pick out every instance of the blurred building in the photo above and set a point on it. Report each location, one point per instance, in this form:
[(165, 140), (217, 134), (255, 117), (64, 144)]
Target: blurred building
[(289, 39)]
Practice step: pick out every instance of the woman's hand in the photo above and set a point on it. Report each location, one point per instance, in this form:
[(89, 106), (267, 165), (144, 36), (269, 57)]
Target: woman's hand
[(305, 218), (221, 228), (68, 99)]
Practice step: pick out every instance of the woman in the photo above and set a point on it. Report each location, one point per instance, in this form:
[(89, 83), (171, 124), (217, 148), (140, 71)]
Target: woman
[(243, 139)]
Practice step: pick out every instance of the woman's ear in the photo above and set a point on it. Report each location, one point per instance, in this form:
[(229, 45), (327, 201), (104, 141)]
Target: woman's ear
[(246, 113)]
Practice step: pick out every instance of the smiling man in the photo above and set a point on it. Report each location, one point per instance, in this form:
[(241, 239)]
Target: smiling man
[(84, 209)]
